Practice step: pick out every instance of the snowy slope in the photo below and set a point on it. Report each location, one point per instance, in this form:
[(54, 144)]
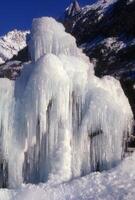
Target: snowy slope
[(116, 184), (11, 44)]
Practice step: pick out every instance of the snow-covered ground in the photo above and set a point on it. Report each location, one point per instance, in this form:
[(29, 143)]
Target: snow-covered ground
[(116, 184)]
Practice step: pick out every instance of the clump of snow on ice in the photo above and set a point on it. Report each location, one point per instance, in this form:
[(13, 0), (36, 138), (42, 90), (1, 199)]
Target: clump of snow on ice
[(47, 37)]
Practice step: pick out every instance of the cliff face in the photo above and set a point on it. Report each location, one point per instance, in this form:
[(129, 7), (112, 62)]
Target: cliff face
[(106, 32)]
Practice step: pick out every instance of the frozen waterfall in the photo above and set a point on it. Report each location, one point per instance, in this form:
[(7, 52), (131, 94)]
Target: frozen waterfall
[(58, 120)]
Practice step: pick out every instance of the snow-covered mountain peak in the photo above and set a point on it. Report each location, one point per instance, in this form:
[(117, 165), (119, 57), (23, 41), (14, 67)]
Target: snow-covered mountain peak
[(73, 9), (11, 44), (16, 36)]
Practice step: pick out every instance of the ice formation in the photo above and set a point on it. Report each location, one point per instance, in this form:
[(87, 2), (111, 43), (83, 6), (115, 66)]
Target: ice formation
[(61, 121)]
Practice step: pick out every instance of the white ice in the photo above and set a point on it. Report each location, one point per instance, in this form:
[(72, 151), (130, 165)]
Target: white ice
[(65, 121)]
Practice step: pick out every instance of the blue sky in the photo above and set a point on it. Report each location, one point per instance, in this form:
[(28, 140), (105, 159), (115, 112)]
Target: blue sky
[(18, 14)]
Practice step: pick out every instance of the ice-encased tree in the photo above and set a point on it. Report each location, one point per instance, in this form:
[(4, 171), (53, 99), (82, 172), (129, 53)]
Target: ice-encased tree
[(65, 122)]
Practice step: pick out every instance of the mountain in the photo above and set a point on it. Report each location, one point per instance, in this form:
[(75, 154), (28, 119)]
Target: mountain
[(105, 31), (12, 48), (11, 44)]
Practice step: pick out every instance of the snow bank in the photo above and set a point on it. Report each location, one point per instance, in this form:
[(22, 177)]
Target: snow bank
[(66, 121), (112, 185)]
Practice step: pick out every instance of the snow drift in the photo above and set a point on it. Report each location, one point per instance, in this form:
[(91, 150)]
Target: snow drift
[(115, 184), (61, 121)]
